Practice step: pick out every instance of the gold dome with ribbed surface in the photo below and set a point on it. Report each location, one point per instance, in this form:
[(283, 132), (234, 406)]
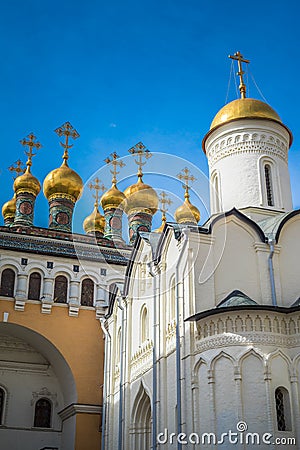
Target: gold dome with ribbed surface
[(112, 198), (94, 222), (27, 183), (244, 108), (9, 209), (187, 213), (140, 197), (63, 182)]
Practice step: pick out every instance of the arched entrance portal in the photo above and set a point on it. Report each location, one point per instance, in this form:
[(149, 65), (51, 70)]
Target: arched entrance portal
[(141, 428), (36, 384)]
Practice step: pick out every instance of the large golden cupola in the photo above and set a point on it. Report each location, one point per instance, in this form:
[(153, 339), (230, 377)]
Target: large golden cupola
[(141, 199), (247, 150), (63, 186)]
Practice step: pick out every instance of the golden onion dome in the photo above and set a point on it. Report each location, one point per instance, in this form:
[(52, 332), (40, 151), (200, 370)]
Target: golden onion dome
[(244, 108), (113, 198), (63, 182), (187, 213), (140, 197), (95, 222), (9, 209), (27, 183)]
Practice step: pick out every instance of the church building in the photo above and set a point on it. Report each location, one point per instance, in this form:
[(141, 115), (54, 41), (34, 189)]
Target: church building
[(187, 336)]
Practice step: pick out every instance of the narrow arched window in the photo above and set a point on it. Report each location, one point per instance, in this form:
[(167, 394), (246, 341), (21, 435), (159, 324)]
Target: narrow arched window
[(216, 204), (87, 292), (42, 413), (8, 283), (144, 324), (34, 289), (61, 289), (171, 306), (269, 188), (118, 349), (2, 402), (283, 411)]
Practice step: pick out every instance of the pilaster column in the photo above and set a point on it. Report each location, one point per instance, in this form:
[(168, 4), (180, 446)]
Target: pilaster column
[(74, 300), (21, 292), (47, 296)]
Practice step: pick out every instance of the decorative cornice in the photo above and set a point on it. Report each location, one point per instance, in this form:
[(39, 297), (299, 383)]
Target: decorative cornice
[(79, 408), (61, 248)]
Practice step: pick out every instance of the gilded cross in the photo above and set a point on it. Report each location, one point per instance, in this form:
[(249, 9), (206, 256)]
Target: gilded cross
[(17, 167), (32, 144), (140, 150), (186, 176), (113, 160), (240, 59), (164, 200), (67, 131), (97, 186)]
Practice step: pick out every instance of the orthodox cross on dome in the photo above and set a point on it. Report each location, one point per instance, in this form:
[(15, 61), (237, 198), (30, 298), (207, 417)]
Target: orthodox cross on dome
[(17, 167), (240, 59), (186, 176), (164, 200), (69, 132), (32, 144), (113, 160), (97, 186), (140, 150)]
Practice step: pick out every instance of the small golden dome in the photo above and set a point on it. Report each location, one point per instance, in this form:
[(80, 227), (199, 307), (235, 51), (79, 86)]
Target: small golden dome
[(187, 213), (94, 222), (140, 197), (244, 108), (27, 183), (113, 198), (9, 209), (63, 182)]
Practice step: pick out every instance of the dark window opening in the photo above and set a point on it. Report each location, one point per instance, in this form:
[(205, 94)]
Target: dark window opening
[(60, 289), (87, 292), (2, 400), (283, 412), (34, 289), (42, 413), (7, 283), (270, 199)]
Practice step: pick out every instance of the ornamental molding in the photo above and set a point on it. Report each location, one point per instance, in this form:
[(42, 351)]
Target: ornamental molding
[(142, 360), (44, 393), (246, 339), (59, 247), (238, 328), (24, 367), (79, 408), (267, 143)]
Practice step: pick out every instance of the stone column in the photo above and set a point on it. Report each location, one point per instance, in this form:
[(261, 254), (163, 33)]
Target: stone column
[(74, 300), (47, 296), (21, 292)]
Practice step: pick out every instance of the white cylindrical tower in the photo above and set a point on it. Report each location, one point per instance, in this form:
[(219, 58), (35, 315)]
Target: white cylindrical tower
[(247, 151)]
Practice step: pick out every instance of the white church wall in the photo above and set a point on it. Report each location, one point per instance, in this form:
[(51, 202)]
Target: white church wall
[(289, 267), (236, 260)]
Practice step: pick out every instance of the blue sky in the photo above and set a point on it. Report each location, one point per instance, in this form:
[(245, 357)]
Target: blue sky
[(123, 72)]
